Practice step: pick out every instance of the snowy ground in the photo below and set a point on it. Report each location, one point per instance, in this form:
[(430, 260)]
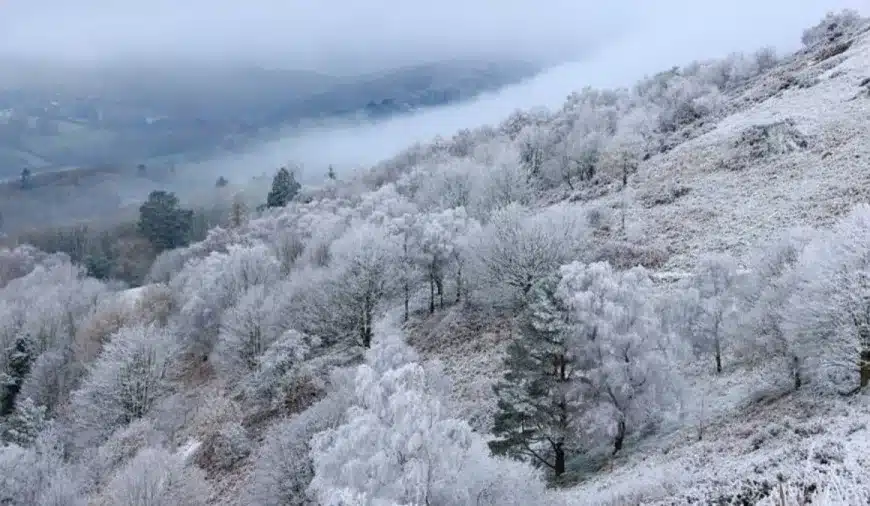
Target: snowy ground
[(730, 210), (759, 444), (799, 441)]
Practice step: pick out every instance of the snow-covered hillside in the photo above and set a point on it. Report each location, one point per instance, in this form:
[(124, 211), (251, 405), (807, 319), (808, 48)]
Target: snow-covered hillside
[(650, 296), (791, 151)]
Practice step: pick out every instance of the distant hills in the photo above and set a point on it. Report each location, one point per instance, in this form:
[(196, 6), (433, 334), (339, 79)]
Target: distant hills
[(53, 117)]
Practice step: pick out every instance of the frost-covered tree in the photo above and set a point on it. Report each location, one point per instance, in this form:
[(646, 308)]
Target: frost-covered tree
[(619, 338), (622, 154), (28, 475), (289, 375), (499, 181), (712, 297), (544, 392), (21, 260), (155, 477), (519, 246), (17, 361), (440, 235), (40, 313), (444, 186), (365, 261), (399, 445), (206, 287), (533, 145), (47, 305), (764, 301), (100, 463), (834, 24), (25, 424), (406, 230), (580, 158), (124, 383), (245, 332), (288, 246), (62, 490), (169, 263), (828, 313)]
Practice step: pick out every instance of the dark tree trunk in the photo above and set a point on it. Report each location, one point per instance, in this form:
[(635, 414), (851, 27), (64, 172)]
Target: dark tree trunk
[(559, 464), (431, 294), (797, 373), (406, 288), (439, 284), (865, 367), (619, 440), (366, 330), (458, 284)]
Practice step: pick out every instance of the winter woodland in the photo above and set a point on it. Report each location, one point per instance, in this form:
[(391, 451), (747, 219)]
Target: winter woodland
[(302, 354)]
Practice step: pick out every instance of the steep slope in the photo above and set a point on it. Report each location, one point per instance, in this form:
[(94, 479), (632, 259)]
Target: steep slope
[(794, 151), (790, 149)]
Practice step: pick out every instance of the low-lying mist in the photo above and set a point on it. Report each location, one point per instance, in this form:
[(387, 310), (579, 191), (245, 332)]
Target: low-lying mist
[(677, 32)]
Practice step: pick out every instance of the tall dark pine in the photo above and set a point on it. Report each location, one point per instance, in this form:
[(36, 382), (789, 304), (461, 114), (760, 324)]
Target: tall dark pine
[(163, 222), (19, 359), (284, 188), (542, 393)]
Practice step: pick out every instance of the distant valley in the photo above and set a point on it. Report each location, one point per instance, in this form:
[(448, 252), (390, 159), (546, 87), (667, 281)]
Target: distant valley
[(59, 118)]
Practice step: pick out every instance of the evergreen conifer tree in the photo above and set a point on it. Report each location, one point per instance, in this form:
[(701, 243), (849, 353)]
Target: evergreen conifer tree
[(542, 394), (284, 188)]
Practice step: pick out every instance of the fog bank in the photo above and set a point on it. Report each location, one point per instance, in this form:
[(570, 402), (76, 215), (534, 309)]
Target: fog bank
[(676, 33)]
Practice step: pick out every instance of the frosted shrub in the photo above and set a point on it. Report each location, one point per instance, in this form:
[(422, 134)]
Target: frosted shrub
[(832, 26), (224, 449), (282, 466), (245, 333), (125, 382), (284, 377), (26, 473), (155, 477), (103, 461)]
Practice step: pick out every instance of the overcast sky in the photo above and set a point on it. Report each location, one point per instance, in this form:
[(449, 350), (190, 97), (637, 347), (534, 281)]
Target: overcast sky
[(349, 35), (352, 35), (315, 34)]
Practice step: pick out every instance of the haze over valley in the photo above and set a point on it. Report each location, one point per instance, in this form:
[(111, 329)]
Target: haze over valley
[(197, 93)]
